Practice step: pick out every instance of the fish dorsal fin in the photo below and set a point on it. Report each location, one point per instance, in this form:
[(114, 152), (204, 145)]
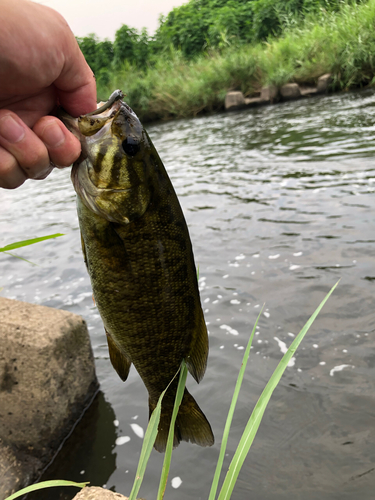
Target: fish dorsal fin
[(120, 362), (197, 359)]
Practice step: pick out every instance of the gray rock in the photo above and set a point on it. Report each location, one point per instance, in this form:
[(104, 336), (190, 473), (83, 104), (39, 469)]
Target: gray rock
[(308, 91), (270, 93), (96, 493), (253, 101), (234, 100), (47, 378), (290, 91), (323, 83)]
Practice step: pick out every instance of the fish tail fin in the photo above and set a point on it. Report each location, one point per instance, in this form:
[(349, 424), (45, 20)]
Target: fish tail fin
[(191, 424)]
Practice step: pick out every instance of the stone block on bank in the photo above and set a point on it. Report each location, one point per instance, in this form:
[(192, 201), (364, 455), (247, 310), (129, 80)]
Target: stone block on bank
[(253, 101), (270, 93), (308, 91), (234, 100), (47, 378), (290, 91), (96, 493), (323, 83)]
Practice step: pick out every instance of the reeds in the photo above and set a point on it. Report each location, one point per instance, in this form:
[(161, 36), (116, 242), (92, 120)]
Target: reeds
[(341, 43)]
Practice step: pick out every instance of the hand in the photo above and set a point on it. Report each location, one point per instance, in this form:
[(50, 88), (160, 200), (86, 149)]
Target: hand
[(41, 66)]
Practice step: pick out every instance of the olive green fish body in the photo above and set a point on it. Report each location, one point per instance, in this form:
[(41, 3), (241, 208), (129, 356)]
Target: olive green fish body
[(140, 261)]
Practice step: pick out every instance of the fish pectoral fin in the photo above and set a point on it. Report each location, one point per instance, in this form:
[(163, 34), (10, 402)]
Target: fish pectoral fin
[(196, 360), (84, 251), (120, 362)]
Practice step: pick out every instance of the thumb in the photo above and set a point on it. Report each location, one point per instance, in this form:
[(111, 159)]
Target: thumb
[(76, 86)]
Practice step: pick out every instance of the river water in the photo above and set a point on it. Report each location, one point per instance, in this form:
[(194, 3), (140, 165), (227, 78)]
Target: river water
[(280, 204)]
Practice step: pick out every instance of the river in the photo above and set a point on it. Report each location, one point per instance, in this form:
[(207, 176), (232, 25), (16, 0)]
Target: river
[(280, 204)]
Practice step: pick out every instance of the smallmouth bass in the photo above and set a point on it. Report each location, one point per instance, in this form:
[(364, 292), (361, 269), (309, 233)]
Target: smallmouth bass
[(139, 257)]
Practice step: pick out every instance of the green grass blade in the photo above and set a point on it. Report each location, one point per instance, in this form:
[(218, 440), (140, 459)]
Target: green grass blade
[(18, 257), (228, 423), (148, 443), (25, 243), (169, 448), (257, 414), (45, 484)]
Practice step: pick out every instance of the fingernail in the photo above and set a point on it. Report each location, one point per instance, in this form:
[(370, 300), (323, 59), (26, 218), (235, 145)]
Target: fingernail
[(53, 136), (11, 130)]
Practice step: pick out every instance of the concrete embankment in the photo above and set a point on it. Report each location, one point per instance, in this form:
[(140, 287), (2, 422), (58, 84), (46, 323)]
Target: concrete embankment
[(268, 95), (47, 379)]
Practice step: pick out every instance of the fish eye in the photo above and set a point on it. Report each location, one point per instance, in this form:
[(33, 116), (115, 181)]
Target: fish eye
[(130, 146)]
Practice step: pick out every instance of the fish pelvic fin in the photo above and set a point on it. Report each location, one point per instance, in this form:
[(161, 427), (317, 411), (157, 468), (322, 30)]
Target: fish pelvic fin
[(196, 360), (120, 362), (191, 424)]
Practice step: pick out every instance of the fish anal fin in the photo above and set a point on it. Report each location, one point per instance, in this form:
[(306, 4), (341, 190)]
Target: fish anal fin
[(191, 424), (196, 360), (120, 362)]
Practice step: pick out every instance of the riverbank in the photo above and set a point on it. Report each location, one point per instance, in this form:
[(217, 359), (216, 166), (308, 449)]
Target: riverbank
[(342, 44)]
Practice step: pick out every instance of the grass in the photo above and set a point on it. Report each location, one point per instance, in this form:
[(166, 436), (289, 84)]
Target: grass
[(245, 441), (341, 43)]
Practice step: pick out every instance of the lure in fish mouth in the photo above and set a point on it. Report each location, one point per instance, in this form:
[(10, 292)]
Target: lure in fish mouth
[(139, 256)]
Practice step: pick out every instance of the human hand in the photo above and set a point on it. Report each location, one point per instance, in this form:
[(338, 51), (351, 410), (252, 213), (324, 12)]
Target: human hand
[(41, 66)]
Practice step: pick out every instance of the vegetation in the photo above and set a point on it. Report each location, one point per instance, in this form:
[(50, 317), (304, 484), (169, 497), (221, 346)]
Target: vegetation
[(339, 42)]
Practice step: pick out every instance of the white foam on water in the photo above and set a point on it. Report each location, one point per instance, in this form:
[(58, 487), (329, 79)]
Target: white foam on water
[(135, 417), (206, 300), (116, 423), (293, 267), (339, 368), (283, 349), (256, 255), (235, 301), (275, 256), (176, 482), (322, 363), (298, 254), (291, 334), (266, 314), (229, 329), (225, 276), (137, 429), (315, 346), (240, 257), (122, 440)]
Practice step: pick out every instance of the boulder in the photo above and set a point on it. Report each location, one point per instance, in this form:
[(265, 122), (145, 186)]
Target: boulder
[(323, 83), (234, 100), (96, 493), (290, 91), (47, 379), (269, 94)]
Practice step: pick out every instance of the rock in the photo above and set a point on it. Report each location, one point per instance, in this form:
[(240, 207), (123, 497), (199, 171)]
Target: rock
[(253, 101), (47, 378), (96, 493), (308, 91), (290, 91), (270, 93), (323, 83), (234, 100)]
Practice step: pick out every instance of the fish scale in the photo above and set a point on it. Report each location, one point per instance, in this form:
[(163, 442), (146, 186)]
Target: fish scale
[(139, 257)]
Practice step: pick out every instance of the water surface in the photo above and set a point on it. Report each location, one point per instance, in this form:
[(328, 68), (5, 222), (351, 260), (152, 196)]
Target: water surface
[(280, 204)]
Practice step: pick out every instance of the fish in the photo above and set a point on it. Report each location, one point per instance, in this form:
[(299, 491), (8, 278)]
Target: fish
[(139, 257)]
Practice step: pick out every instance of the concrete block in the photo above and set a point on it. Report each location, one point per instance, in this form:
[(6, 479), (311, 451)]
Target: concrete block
[(308, 91), (270, 93), (47, 378), (234, 100), (323, 83), (97, 493), (290, 91), (253, 101)]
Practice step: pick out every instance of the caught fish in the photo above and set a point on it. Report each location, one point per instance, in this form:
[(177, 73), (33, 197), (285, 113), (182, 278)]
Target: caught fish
[(139, 257)]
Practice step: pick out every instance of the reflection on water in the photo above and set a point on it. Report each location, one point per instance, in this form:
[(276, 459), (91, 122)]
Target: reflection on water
[(280, 204)]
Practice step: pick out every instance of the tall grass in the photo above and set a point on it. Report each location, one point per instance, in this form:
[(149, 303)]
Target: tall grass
[(341, 43)]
